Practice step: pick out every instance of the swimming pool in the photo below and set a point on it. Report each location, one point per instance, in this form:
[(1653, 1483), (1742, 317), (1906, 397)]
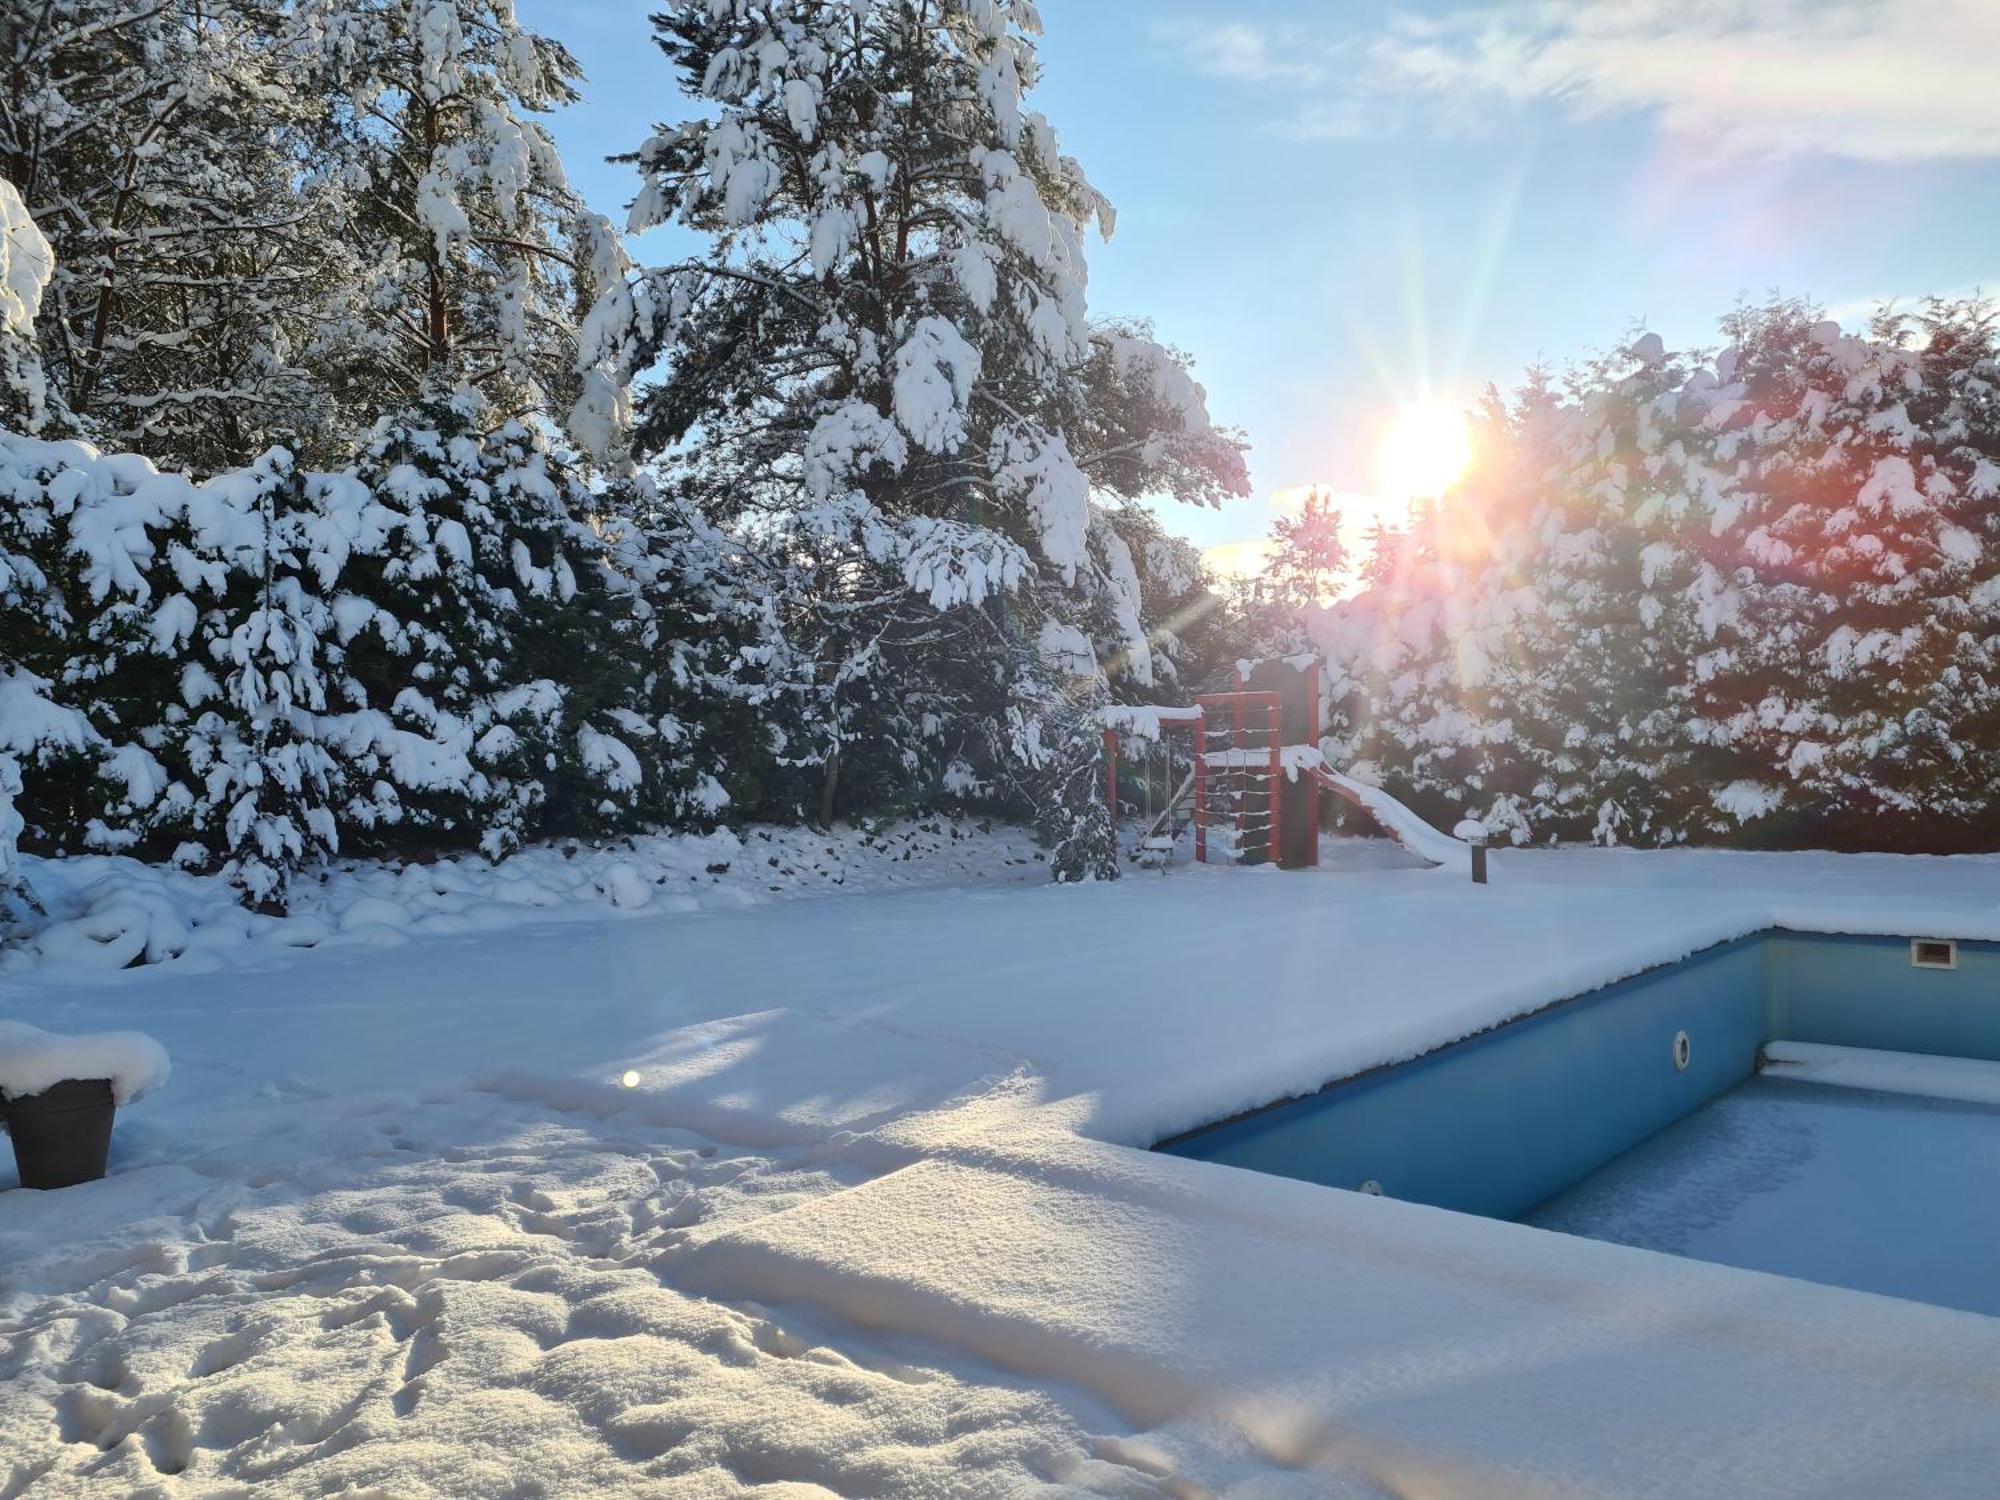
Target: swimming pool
[(1505, 1122)]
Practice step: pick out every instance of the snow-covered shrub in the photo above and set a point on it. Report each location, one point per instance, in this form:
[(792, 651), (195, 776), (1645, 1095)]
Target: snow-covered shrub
[(502, 660), (182, 630), (432, 649), (34, 731), (39, 736)]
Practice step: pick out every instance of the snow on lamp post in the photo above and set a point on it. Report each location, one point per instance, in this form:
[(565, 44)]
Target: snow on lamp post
[(1473, 832)]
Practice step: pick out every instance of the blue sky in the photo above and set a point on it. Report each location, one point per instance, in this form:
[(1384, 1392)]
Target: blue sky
[(1340, 206)]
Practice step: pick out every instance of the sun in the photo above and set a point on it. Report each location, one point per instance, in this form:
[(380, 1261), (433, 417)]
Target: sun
[(1427, 448)]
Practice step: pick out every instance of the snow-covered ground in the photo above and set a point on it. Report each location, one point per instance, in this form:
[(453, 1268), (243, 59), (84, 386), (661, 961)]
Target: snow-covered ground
[(867, 1220)]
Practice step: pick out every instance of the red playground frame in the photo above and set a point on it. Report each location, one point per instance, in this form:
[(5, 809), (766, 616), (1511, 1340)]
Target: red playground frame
[(1239, 764)]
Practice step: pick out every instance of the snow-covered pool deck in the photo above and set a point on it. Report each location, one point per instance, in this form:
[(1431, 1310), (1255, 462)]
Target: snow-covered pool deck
[(871, 1218)]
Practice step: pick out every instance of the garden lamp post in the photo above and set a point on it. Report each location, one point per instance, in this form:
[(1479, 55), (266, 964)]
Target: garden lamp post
[(1473, 832)]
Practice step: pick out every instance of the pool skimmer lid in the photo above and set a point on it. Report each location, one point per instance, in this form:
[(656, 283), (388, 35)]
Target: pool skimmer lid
[(1933, 953)]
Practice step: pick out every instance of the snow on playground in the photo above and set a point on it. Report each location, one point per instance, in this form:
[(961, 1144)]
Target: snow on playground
[(484, 1197)]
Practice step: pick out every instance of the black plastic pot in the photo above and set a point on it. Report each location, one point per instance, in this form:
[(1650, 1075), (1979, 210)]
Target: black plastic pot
[(62, 1136)]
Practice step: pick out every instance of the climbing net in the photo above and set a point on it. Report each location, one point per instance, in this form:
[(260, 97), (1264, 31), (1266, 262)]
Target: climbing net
[(1242, 777)]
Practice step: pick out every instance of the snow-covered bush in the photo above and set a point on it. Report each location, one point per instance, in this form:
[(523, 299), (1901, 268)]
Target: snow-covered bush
[(248, 673)]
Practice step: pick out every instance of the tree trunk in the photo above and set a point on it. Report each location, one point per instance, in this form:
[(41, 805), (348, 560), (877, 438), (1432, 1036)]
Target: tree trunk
[(828, 784)]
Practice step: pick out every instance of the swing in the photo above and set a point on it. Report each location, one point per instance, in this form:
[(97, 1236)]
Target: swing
[(1156, 847)]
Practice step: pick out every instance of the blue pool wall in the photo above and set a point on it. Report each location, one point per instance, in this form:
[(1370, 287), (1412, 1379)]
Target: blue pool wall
[(1499, 1122), (1863, 992)]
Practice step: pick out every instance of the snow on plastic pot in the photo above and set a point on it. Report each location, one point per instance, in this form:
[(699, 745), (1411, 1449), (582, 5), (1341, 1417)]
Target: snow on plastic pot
[(62, 1136), (60, 1094)]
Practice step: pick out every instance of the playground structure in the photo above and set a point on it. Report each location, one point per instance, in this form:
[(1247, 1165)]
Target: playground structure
[(1242, 771)]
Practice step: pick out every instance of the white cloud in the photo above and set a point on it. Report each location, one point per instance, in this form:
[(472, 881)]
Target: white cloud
[(1285, 56), (1880, 80), (1244, 559)]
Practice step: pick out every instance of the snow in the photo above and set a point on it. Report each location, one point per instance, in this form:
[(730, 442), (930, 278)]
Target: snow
[(845, 444), (1746, 801), (1409, 830), (26, 264), (1145, 721), (1838, 1185), (1968, 1079), (32, 1060), (1037, 470), (935, 371), (107, 912), (867, 1217), (1149, 365)]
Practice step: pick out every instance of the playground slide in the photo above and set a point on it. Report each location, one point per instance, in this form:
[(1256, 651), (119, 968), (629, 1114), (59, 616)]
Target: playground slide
[(1402, 825)]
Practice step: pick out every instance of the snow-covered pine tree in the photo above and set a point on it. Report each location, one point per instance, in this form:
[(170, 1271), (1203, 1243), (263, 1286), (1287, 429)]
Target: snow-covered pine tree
[(261, 786), (1864, 656), (1425, 664), (1180, 611), (37, 733), (1589, 665), (34, 730), (499, 659), (1959, 410), (163, 147), (1748, 601), (1304, 562), (180, 630), (1308, 556), (476, 257), (902, 408)]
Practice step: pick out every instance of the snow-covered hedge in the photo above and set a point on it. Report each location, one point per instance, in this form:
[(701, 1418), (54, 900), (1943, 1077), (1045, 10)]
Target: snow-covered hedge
[(248, 673)]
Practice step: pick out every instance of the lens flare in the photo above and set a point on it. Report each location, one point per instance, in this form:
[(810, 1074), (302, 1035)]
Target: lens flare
[(1425, 451)]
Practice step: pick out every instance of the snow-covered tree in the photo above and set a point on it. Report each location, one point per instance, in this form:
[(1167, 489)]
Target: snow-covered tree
[(37, 734), (34, 731), (1747, 598), (508, 670), (260, 786), (902, 408), (278, 219), (180, 630), (163, 149), (1859, 657), (1302, 569), (26, 265), (476, 257)]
